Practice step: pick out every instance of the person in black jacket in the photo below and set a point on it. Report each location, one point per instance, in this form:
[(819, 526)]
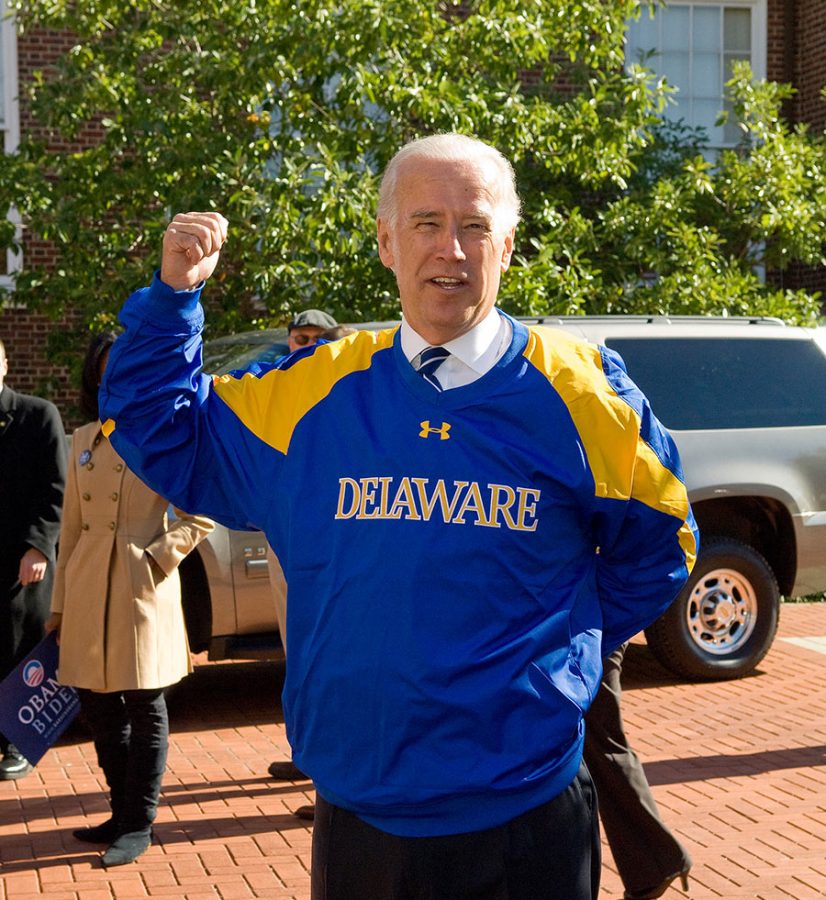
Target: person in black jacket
[(32, 477)]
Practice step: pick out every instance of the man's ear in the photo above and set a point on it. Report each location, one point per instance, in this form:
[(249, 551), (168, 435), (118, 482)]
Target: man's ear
[(507, 250), (385, 239)]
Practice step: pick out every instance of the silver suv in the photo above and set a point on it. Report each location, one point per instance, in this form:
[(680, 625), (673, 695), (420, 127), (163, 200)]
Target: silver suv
[(746, 402)]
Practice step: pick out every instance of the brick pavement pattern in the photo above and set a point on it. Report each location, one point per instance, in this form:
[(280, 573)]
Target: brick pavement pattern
[(738, 769)]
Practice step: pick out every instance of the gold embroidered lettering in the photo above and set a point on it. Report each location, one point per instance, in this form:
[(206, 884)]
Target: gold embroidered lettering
[(368, 497), (343, 484), (498, 505), (386, 481), (472, 503), (528, 498), (415, 499), (439, 496), (404, 499)]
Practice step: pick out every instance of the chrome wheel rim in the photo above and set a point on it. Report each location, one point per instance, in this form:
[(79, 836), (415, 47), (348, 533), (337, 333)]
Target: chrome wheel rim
[(721, 612)]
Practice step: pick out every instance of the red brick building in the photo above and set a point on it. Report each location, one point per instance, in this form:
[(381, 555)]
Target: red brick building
[(24, 334), (785, 40)]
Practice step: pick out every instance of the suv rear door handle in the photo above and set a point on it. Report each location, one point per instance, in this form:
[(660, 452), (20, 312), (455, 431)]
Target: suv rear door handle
[(257, 568)]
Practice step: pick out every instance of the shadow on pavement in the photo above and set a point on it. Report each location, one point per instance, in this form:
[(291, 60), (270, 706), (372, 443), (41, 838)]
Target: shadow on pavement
[(640, 670), (704, 768), (45, 850), (227, 695)]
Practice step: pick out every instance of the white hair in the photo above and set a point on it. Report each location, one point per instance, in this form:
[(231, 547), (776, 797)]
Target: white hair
[(452, 147)]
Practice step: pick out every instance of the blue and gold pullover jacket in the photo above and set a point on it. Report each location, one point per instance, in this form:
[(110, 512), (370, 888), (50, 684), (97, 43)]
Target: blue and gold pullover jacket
[(457, 562)]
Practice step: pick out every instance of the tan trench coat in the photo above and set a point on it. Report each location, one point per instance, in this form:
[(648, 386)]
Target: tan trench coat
[(116, 583)]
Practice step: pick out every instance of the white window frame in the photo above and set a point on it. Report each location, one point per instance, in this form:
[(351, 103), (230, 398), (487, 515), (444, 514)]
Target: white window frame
[(759, 28), (10, 123)]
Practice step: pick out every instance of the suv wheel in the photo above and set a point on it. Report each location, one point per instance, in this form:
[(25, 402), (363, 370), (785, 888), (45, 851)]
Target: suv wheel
[(724, 620)]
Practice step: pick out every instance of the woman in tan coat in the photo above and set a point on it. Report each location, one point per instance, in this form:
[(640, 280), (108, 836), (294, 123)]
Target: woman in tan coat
[(116, 606)]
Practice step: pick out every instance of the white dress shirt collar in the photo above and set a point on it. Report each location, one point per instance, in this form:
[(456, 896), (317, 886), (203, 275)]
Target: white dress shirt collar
[(472, 354)]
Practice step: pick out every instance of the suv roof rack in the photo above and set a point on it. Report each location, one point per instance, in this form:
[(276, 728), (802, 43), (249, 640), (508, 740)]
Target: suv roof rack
[(655, 319)]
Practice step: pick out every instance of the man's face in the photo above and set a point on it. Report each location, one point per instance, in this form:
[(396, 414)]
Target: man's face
[(303, 336), (446, 247), (4, 367)]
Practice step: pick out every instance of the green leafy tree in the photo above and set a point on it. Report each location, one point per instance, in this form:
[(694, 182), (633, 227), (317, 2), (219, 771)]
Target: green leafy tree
[(282, 116), (702, 237)]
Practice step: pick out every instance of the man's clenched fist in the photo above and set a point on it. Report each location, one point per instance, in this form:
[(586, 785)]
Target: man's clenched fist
[(191, 246)]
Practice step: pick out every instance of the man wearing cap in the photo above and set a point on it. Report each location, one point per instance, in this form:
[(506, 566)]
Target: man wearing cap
[(307, 326), (304, 330)]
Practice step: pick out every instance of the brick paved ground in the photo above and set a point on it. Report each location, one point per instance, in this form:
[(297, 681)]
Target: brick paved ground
[(738, 768)]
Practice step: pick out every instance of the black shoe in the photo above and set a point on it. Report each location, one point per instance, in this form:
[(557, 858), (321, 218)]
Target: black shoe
[(286, 771), (306, 812), (658, 890), (127, 848), (104, 833), (14, 765)]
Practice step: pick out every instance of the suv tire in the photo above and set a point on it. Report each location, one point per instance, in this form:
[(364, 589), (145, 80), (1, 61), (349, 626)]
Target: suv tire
[(723, 622)]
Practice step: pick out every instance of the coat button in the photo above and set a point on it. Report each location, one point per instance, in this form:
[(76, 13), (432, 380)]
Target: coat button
[(119, 467), (90, 466), (111, 526), (87, 496), (115, 495), (85, 526)]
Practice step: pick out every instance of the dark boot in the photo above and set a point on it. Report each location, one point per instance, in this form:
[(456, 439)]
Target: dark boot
[(104, 833), (145, 766), (13, 765), (127, 848), (148, 746), (112, 758), (106, 716), (286, 771)]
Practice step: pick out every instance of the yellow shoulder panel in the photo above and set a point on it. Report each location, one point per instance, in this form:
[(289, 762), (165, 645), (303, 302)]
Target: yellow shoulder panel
[(657, 486), (622, 463), (271, 406), (608, 427)]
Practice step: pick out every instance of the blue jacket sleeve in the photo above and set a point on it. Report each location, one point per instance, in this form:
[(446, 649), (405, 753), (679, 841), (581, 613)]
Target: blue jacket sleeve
[(165, 420), (648, 543)]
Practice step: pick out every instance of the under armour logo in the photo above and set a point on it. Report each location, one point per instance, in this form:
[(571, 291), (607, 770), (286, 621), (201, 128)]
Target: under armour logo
[(442, 431)]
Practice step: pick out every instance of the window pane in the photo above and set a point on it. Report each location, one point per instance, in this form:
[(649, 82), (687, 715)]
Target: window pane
[(675, 28), (675, 68), (706, 112), (706, 81), (689, 382), (731, 130), (706, 28), (677, 110), (728, 61), (737, 30), (642, 34)]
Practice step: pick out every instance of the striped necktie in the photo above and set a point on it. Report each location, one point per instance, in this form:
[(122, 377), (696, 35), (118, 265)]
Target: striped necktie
[(429, 360)]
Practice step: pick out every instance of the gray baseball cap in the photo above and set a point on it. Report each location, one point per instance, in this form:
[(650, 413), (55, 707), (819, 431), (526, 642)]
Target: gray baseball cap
[(313, 317)]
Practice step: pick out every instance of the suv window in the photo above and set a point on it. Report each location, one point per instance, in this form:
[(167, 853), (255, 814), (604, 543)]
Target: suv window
[(224, 355), (679, 375)]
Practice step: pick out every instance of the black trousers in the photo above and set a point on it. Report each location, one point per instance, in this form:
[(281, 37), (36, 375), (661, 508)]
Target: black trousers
[(131, 734), (549, 853), (644, 850)]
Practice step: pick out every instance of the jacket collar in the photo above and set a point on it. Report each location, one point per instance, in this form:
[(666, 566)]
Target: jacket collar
[(8, 403), (8, 398)]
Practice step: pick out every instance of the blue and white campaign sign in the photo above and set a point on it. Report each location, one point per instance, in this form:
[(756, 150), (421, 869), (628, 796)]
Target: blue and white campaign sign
[(35, 709)]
